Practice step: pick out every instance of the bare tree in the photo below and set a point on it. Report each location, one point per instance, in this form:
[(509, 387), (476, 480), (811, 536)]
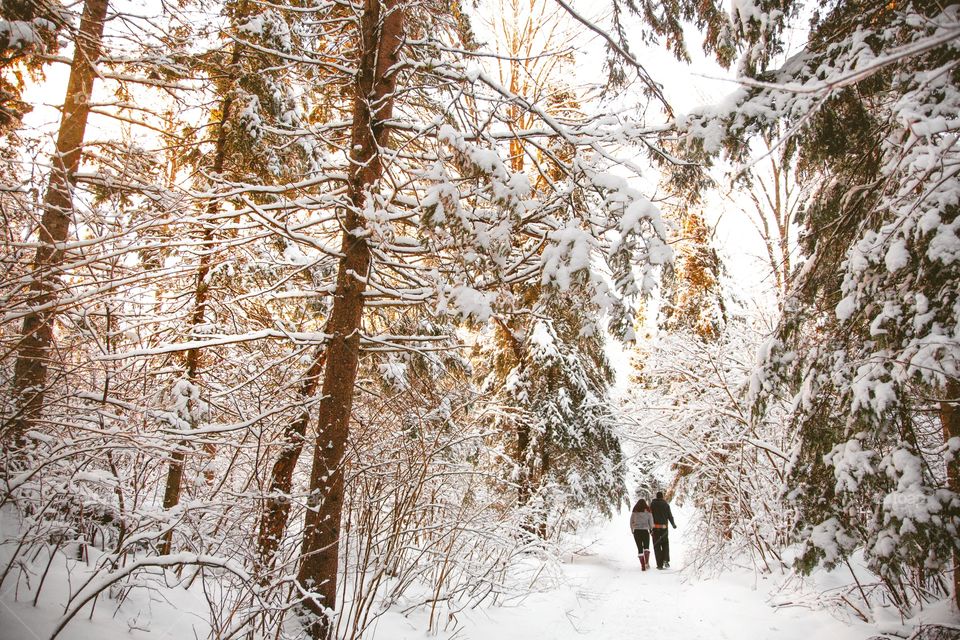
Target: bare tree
[(777, 197)]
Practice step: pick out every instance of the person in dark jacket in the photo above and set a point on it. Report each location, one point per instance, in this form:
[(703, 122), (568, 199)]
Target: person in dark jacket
[(661, 540)]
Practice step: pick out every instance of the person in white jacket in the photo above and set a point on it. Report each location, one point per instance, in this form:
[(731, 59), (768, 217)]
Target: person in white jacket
[(641, 522)]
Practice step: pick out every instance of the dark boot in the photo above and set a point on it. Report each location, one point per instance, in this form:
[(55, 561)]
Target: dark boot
[(646, 559)]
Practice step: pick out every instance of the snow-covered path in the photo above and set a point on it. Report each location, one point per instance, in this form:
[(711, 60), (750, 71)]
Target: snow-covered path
[(608, 596), (603, 595)]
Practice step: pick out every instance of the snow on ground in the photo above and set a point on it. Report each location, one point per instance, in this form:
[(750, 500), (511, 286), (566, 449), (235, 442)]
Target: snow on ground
[(608, 596), (143, 614), (602, 594), (140, 614)]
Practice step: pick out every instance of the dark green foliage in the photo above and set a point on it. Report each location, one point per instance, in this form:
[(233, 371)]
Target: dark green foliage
[(552, 380), (27, 28), (868, 343), (871, 315)]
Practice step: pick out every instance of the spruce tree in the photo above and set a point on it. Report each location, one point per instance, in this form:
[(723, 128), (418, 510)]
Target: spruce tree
[(868, 344)]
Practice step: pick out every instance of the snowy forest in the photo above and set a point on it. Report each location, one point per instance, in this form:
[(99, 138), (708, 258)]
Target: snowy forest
[(342, 319)]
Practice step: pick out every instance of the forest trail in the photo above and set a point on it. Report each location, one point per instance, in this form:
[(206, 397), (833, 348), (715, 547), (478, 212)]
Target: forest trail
[(602, 595), (607, 596)]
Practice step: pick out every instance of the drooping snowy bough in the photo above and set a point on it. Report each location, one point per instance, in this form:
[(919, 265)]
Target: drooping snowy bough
[(869, 343)]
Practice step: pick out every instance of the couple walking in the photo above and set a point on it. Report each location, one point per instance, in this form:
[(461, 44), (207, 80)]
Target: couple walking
[(647, 521)]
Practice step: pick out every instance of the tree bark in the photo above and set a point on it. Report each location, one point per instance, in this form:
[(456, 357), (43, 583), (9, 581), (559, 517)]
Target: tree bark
[(524, 458), (201, 296), (276, 510), (31, 370), (544, 472), (381, 34), (950, 419)]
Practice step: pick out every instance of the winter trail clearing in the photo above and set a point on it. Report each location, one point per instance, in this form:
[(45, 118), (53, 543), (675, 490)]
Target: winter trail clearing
[(602, 595), (608, 596)]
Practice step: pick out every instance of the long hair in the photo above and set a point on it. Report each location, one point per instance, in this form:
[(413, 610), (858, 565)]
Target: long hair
[(641, 505)]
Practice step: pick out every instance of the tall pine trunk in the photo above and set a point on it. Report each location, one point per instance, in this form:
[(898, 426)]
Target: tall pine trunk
[(950, 418), (381, 36), (201, 296), (524, 457), (32, 367), (276, 509)]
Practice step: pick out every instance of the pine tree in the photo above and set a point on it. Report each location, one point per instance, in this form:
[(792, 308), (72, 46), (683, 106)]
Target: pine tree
[(28, 29), (546, 369), (381, 31), (868, 341), (35, 351), (550, 383), (693, 298)]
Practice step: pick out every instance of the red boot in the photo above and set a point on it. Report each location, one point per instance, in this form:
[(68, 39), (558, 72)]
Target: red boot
[(646, 559)]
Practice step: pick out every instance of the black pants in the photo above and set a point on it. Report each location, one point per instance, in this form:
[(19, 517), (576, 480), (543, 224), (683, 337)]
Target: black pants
[(642, 538), (661, 546)]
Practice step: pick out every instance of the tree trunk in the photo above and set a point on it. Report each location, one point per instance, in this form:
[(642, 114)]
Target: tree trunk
[(201, 295), (544, 473), (276, 510), (31, 370), (524, 457), (524, 475), (381, 33), (950, 418)]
